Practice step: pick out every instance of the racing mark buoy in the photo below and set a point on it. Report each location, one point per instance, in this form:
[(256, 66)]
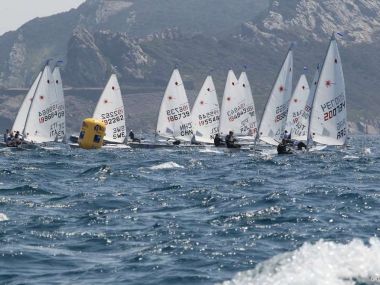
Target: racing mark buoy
[(92, 134)]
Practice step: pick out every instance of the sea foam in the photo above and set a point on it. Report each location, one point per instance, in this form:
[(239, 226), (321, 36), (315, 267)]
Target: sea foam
[(3, 217), (166, 165), (322, 263)]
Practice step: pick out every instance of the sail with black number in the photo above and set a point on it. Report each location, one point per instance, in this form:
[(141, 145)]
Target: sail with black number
[(61, 120), (328, 120), (45, 112), (174, 119), (273, 122), (110, 109), (297, 106), (237, 113), (248, 119), (206, 113)]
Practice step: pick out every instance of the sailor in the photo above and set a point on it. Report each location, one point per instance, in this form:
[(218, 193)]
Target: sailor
[(231, 141), (132, 137), (299, 145), (218, 141), (287, 137), (18, 138), (282, 148), (177, 142)]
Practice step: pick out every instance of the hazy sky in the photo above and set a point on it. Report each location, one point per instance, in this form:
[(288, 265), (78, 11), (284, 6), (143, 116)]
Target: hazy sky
[(14, 13)]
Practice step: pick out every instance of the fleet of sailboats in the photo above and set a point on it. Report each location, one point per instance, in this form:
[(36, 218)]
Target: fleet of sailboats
[(315, 114)]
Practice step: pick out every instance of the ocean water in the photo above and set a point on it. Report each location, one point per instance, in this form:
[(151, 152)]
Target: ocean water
[(190, 216)]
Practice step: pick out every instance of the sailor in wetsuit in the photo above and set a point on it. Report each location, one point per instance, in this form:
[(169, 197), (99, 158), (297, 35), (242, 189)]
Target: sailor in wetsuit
[(231, 141), (218, 141), (283, 148), (132, 137)]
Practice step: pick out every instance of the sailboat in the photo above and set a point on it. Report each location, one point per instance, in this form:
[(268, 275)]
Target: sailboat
[(205, 113), (273, 122), (328, 120), (46, 112), (174, 119), (110, 109), (297, 106)]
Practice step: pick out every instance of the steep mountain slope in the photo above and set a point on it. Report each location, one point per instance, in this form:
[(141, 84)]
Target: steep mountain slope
[(22, 52)]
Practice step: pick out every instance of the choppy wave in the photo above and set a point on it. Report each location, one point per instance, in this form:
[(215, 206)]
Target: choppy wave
[(324, 262), (185, 216)]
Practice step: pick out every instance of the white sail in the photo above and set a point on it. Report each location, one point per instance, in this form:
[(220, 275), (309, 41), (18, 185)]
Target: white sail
[(328, 121), (206, 113), (272, 125), (297, 106), (44, 112), (232, 106), (19, 123), (174, 119), (248, 120), (60, 128), (110, 109), (303, 124)]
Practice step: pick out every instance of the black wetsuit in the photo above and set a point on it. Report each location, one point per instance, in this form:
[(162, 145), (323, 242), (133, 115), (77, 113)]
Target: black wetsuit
[(283, 149), (218, 141), (230, 142)]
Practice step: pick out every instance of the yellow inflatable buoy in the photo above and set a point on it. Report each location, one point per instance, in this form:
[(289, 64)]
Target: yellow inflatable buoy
[(92, 134)]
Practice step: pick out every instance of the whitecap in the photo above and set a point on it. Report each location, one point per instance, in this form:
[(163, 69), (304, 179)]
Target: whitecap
[(209, 150), (166, 165), (322, 263), (3, 217), (350, 157)]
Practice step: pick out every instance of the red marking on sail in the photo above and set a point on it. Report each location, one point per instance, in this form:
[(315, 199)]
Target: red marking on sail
[(42, 97), (228, 98), (328, 83), (281, 88), (105, 101), (170, 97)]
